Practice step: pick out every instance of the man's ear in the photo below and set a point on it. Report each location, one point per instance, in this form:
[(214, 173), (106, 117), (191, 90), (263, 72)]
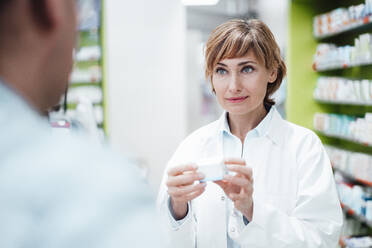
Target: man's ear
[(47, 13), (273, 75)]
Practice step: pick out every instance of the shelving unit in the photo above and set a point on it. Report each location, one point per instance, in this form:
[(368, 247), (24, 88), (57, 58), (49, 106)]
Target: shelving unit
[(335, 102), (88, 69), (333, 68), (343, 91), (359, 27), (302, 78), (352, 213), (352, 178), (339, 137), (301, 104)]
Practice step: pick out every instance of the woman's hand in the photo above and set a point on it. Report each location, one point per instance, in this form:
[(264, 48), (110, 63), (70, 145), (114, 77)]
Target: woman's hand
[(181, 187), (239, 188)]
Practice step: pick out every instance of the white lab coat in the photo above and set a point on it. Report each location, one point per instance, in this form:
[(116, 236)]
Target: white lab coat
[(295, 199)]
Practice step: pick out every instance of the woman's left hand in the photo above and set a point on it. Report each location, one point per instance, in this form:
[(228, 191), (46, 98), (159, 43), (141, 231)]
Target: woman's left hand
[(239, 188)]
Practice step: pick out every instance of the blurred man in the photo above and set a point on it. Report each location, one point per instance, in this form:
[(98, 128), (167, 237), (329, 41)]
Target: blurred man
[(57, 191)]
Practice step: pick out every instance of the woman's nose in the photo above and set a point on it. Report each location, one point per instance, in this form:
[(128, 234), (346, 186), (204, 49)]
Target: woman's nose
[(235, 84)]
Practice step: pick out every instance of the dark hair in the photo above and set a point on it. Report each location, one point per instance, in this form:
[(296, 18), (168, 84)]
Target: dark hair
[(3, 4), (38, 9), (235, 38)]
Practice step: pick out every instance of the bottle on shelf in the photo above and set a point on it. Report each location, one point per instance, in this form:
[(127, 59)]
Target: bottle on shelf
[(343, 91), (328, 56)]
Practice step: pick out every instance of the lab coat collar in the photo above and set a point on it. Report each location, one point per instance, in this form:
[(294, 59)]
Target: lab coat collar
[(277, 129), (271, 126), (261, 128), (224, 125)]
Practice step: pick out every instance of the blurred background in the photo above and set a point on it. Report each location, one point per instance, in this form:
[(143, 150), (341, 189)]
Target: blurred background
[(138, 82)]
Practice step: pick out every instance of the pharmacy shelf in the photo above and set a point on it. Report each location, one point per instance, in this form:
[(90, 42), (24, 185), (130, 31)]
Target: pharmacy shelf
[(342, 240), (341, 67), (73, 105), (98, 84), (343, 102), (341, 137), (302, 78), (358, 217), (359, 27), (352, 178)]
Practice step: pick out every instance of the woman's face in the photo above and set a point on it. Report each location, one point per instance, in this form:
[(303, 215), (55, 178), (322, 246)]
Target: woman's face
[(240, 83)]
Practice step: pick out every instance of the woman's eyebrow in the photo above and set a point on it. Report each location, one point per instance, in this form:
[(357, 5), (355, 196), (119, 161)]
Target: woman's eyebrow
[(221, 64), (240, 64), (247, 62)]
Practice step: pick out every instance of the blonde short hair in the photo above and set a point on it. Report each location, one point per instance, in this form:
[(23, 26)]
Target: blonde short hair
[(234, 38)]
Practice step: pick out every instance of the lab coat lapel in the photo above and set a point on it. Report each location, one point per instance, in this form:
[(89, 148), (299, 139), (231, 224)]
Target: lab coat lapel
[(257, 156)]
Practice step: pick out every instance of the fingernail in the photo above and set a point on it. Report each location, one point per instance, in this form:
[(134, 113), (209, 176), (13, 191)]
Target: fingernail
[(201, 175)]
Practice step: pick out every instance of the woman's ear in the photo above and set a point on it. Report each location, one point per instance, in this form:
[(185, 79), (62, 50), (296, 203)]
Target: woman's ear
[(273, 75), (212, 86), (47, 13)]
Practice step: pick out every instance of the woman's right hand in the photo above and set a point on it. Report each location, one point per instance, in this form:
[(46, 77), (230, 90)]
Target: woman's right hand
[(181, 187)]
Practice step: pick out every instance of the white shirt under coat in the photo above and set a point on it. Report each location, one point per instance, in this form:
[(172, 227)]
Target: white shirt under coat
[(295, 198)]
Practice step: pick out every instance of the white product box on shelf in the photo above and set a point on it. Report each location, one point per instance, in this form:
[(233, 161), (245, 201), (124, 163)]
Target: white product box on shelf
[(93, 93), (346, 127), (98, 113), (362, 164), (92, 74), (342, 19), (357, 165), (369, 210), (343, 90), (328, 56), (338, 157), (359, 242), (90, 53)]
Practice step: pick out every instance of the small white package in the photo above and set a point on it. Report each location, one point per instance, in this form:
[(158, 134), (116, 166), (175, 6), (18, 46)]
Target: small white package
[(213, 169)]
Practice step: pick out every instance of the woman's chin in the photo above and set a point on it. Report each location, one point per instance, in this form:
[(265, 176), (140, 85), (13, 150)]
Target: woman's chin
[(238, 110)]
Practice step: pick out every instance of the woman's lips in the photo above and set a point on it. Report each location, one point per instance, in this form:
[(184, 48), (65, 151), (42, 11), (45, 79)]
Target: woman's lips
[(236, 99)]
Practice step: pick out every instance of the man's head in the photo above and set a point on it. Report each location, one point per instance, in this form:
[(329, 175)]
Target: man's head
[(3, 3), (37, 38)]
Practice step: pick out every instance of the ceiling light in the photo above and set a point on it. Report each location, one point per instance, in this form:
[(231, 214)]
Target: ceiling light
[(199, 2)]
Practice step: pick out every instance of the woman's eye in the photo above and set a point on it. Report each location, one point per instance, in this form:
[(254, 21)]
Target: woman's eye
[(247, 69), (221, 71)]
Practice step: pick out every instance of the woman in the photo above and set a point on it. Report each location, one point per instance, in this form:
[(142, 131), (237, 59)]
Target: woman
[(283, 193)]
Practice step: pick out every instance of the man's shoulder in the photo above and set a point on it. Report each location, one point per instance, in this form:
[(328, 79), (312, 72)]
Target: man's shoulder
[(58, 181), (69, 158), (82, 152)]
